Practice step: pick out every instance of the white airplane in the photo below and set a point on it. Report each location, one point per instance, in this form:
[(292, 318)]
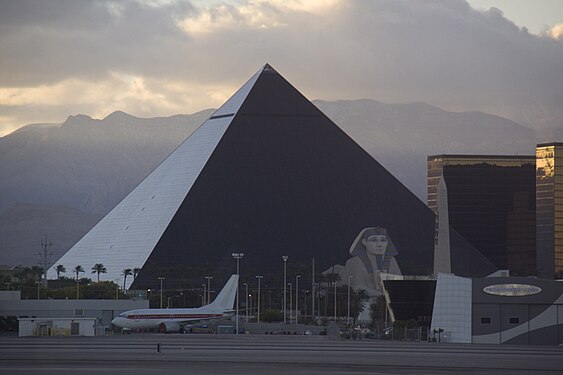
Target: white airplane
[(174, 320)]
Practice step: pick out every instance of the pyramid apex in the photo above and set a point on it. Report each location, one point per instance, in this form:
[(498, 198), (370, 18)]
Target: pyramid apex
[(268, 69)]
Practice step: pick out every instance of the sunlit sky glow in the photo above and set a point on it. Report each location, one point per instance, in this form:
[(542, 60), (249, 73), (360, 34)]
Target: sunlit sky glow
[(164, 57)]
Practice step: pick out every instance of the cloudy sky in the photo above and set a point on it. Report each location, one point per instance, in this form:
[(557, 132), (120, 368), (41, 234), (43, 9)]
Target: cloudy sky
[(163, 57)]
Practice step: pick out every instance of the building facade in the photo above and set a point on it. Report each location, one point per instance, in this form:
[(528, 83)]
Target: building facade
[(517, 311), (491, 203), (549, 209)]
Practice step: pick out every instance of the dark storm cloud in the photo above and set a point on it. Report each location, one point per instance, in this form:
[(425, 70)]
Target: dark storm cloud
[(442, 51), (48, 41)]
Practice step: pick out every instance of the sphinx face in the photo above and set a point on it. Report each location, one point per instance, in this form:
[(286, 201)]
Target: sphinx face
[(376, 244)]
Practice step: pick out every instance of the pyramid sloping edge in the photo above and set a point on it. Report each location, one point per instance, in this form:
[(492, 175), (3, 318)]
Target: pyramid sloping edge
[(127, 235)]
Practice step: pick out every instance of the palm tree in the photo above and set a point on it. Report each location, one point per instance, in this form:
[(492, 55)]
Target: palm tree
[(357, 303), (36, 271), (98, 268), (126, 272), (77, 270), (136, 272), (60, 269)]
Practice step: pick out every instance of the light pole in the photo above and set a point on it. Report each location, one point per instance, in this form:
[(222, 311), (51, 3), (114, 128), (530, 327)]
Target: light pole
[(204, 298), (208, 289), (38, 288), (238, 257), (348, 315), (246, 302), (296, 297), (284, 257), (259, 278), (290, 302), (161, 279), (313, 293), (8, 286), (250, 306), (335, 301)]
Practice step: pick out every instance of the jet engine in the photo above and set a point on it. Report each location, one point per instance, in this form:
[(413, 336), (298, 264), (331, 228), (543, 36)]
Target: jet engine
[(167, 327)]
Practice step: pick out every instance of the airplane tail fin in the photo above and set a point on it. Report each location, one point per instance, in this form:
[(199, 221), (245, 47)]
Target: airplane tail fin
[(226, 298)]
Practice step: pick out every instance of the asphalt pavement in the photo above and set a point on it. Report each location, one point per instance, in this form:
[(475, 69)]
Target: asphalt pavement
[(265, 354)]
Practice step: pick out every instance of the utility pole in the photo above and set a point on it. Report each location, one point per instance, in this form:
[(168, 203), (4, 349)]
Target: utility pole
[(45, 257)]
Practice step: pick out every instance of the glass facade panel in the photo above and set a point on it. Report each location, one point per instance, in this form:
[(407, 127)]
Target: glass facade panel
[(549, 210), (491, 202)]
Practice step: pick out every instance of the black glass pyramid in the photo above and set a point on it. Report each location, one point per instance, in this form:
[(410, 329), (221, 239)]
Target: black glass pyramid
[(280, 179)]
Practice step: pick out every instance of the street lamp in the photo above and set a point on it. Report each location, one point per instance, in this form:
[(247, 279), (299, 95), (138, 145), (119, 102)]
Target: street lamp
[(284, 257), (335, 301), (161, 279), (290, 303), (259, 278), (208, 288), (313, 292), (250, 301), (204, 297), (348, 315), (38, 287), (246, 302), (238, 257), (296, 296)]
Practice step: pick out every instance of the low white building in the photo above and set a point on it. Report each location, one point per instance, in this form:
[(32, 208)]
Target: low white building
[(57, 327), (59, 311)]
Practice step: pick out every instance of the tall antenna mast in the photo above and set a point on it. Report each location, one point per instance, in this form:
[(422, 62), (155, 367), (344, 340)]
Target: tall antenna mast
[(45, 257)]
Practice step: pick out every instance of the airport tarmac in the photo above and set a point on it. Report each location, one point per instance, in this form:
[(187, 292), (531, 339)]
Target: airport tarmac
[(264, 354)]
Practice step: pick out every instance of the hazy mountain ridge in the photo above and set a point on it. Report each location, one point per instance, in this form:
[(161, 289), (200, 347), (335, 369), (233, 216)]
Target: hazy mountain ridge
[(85, 163), (89, 165), (401, 136)]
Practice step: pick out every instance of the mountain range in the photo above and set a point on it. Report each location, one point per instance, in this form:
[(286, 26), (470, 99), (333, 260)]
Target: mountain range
[(60, 179)]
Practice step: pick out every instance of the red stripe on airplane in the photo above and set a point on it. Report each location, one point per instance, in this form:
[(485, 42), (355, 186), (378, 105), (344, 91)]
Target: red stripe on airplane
[(174, 316)]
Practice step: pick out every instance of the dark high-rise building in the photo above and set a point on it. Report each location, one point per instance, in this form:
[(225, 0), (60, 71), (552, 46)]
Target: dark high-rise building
[(549, 209), (267, 175), (491, 203)]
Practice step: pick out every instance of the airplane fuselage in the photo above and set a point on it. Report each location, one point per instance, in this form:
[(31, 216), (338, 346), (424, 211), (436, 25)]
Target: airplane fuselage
[(173, 320), (153, 318)]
